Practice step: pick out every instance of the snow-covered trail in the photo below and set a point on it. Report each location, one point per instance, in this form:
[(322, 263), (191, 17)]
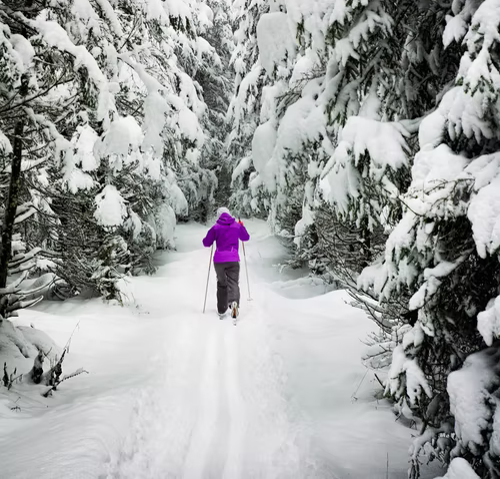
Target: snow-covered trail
[(216, 409), (174, 393)]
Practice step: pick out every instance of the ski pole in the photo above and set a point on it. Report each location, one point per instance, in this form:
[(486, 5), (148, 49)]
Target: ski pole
[(246, 271), (208, 277)]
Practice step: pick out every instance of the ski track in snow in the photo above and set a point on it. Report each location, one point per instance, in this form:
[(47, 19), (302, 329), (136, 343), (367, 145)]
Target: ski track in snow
[(236, 409), (193, 424), (216, 409), (208, 398)]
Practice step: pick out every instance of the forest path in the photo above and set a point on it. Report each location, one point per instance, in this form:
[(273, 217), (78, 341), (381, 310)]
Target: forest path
[(217, 408), (175, 393)]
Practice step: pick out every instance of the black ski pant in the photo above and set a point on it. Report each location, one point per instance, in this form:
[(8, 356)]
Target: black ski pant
[(228, 275)]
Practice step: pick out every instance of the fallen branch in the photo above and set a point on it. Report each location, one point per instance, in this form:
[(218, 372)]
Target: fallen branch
[(380, 382), (9, 379), (54, 373), (68, 344), (69, 376)]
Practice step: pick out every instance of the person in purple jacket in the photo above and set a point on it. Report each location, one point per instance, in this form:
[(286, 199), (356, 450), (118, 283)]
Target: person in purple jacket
[(227, 232)]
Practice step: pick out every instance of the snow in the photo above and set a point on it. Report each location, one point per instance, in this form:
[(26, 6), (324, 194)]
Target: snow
[(82, 154), (83, 10), (303, 67), (383, 141), (164, 222), (371, 19), (154, 10), (110, 14), (302, 124), (23, 48), (470, 397), (459, 469), (240, 101), (19, 346), (415, 379), (275, 40), (371, 105), (306, 220), (431, 284), (77, 180), (56, 36), (339, 12), (5, 145), (488, 321), (437, 171), (155, 108), (484, 214), (111, 209), (386, 146), (124, 134), (315, 16), (414, 337), (456, 28), (176, 197), (464, 112), (439, 165), (341, 180), (431, 130), (485, 23), (188, 124), (160, 101), (204, 47), (263, 142), (134, 224), (299, 125), (175, 393), (178, 8), (343, 51), (242, 166)]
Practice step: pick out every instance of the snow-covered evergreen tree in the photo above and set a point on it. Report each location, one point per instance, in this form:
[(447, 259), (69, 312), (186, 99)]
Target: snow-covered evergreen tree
[(443, 256), (245, 107), (360, 136), (114, 120), (311, 69), (215, 78)]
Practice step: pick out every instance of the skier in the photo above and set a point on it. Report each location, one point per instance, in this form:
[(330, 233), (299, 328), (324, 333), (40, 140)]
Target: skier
[(226, 233)]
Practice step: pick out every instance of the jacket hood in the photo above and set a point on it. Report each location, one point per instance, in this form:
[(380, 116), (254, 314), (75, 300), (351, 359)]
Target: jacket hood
[(221, 210), (225, 219)]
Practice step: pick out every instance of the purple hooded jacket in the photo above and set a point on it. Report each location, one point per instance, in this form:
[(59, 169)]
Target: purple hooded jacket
[(226, 233)]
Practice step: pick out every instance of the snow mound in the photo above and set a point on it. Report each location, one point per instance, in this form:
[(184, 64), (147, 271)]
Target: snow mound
[(459, 469), (19, 345)]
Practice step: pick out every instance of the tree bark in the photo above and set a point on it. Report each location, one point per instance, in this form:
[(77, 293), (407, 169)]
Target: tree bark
[(12, 202)]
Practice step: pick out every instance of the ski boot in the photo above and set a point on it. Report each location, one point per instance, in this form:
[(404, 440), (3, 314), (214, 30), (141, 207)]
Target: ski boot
[(234, 310)]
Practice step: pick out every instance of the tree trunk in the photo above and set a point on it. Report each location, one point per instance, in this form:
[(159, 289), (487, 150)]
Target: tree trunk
[(11, 205)]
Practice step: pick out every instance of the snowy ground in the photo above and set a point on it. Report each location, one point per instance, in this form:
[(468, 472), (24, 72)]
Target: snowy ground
[(173, 393)]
